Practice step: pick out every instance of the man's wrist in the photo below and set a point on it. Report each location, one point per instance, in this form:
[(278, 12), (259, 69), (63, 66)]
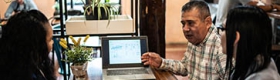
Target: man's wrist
[(161, 63)]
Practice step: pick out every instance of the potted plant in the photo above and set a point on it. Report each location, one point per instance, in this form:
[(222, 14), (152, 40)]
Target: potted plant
[(78, 55), (97, 10)]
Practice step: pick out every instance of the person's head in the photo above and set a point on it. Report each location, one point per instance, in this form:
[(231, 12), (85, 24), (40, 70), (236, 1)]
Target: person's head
[(20, 1), (196, 21), (248, 35), (26, 42)]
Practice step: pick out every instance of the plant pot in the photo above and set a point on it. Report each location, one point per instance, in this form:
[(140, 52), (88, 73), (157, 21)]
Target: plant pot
[(79, 71), (90, 16)]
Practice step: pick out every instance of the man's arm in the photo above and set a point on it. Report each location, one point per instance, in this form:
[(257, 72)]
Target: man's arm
[(10, 9), (265, 7), (221, 66), (175, 66), (152, 59), (224, 6), (31, 4)]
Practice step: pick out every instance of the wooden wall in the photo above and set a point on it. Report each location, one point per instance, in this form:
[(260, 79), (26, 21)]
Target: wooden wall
[(152, 19)]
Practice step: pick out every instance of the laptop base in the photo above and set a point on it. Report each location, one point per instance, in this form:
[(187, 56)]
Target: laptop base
[(147, 76)]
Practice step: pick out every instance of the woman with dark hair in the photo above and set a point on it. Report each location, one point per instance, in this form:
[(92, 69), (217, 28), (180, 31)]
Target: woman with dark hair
[(24, 47), (247, 41)]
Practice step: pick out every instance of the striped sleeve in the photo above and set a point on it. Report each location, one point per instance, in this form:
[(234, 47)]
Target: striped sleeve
[(175, 66)]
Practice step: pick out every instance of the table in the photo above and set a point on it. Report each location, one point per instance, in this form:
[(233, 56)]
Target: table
[(94, 72), (275, 47)]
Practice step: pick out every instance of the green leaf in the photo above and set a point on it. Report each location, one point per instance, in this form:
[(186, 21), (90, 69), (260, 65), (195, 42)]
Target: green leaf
[(78, 55)]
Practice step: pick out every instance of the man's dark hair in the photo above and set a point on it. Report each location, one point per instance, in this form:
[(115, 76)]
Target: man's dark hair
[(201, 6), (23, 48)]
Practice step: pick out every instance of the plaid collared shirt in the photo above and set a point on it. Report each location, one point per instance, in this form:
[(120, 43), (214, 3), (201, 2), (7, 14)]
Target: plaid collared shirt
[(204, 61)]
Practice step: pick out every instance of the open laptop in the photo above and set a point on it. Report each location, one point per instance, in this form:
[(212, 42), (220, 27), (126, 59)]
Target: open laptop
[(122, 58)]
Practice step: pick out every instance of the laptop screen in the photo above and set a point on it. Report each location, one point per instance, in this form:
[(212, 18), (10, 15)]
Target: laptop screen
[(123, 51)]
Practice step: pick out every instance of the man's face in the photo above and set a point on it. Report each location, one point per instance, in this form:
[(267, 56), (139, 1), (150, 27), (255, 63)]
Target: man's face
[(195, 29), (20, 1)]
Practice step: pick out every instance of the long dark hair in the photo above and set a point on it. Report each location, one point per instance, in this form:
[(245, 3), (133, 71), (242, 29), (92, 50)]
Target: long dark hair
[(254, 46), (23, 47)]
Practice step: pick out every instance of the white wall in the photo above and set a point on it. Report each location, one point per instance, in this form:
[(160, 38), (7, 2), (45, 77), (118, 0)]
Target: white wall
[(174, 33)]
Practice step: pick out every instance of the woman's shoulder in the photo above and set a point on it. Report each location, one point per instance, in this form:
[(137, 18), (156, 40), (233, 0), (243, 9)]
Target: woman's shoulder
[(270, 73), (263, 76)]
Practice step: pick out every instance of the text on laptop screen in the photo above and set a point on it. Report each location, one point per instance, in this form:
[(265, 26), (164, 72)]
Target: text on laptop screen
[(124, 51)]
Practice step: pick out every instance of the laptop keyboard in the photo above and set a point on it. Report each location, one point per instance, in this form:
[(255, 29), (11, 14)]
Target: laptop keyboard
[(127, 72)]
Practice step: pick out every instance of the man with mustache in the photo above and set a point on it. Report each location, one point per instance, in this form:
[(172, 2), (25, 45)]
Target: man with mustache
[(203, 59)]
